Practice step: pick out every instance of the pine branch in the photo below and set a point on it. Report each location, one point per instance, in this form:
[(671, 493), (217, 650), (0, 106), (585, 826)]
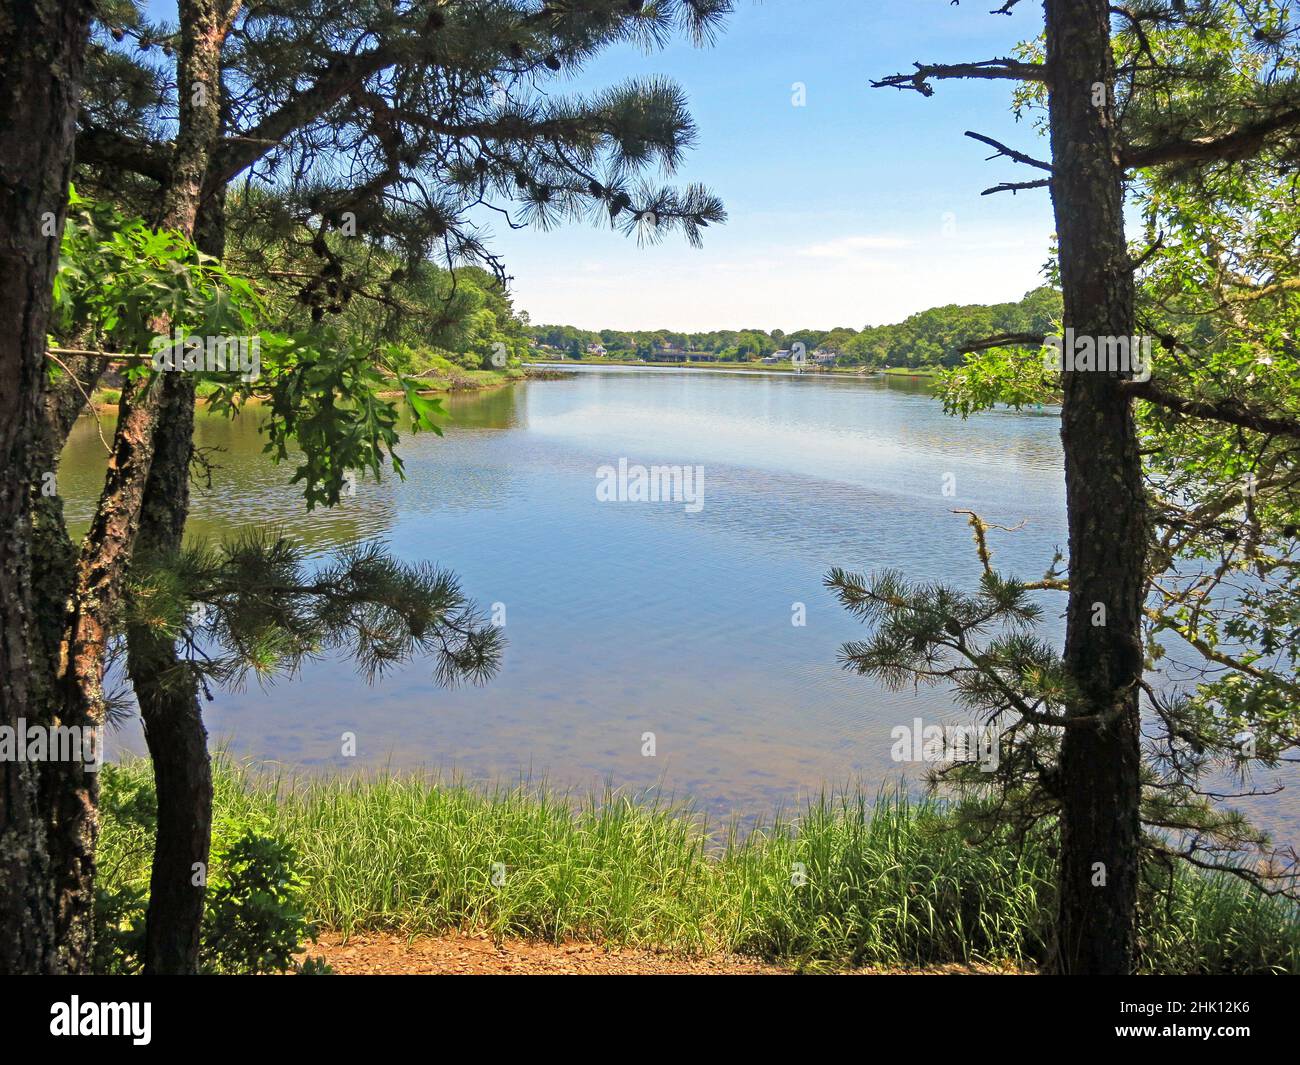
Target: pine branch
[(997, 69), (1245, 141), (1228, 411), (1017, 186), (1020, 340), (1010, 153)]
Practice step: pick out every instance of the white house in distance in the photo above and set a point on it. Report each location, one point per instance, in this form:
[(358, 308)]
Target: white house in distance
[(597, 350)]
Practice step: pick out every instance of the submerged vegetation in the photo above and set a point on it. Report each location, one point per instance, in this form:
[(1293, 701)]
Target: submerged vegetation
[(895, 882)]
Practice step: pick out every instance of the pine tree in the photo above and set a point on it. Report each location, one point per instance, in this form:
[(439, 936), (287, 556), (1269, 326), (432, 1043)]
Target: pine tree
[(1130, 97)]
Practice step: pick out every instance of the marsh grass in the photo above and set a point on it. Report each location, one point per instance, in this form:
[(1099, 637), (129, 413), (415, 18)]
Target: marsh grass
[(889, 882)]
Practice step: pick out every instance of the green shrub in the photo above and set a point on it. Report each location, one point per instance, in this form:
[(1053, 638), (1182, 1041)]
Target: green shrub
[(119, 930), (254, 918)]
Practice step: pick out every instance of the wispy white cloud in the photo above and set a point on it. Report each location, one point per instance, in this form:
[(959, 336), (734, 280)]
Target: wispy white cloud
[(665, 288), (851, 247)]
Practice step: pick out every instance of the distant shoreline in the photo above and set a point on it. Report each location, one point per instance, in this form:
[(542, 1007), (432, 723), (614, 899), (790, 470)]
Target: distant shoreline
[(106, 399), (782, 369)]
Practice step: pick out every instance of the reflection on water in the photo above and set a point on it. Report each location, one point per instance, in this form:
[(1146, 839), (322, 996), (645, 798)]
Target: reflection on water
[(628, 618)]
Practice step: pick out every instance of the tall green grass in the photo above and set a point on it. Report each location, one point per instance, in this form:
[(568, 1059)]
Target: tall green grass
[(892, 882)]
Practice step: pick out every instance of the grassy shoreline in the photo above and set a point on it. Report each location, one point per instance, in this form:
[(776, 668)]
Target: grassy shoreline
[(893, 882)]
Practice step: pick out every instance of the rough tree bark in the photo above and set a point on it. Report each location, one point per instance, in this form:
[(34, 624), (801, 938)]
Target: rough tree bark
[(1100, 761), (42, 46), (72, 789)]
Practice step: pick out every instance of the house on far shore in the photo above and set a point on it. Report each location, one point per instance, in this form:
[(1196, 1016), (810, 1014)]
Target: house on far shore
[(820, 357), (668, 353), (597, 350), (777, 356)]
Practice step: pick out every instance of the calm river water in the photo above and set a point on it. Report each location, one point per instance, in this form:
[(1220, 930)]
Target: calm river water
[(624, 618)]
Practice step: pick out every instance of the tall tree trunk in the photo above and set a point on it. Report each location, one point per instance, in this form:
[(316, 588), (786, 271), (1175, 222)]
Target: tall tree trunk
[(1100, 760), (164, 687), (42, 47), (169, 708)]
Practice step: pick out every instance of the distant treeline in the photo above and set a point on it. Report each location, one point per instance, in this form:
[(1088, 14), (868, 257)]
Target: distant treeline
[(930, 338)]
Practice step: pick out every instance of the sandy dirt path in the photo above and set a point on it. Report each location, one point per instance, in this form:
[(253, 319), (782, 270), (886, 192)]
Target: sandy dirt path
[(379, 953)]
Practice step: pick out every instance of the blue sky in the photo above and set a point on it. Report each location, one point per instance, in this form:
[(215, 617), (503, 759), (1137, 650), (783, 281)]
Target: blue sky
[(859, 208)]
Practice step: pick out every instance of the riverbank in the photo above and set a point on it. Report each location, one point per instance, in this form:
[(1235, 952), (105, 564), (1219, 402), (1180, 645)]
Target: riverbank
[(454, 381), (850, 883), (469, 380), (916, 371)]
